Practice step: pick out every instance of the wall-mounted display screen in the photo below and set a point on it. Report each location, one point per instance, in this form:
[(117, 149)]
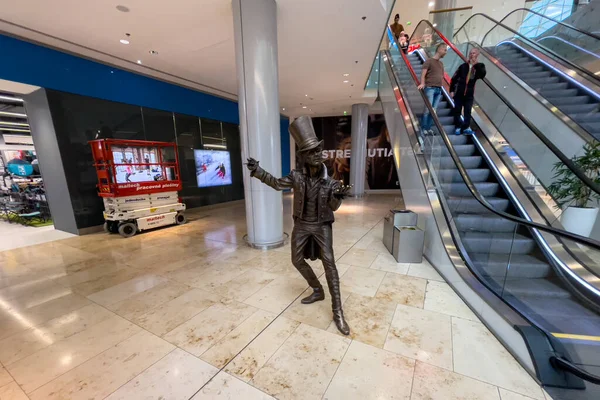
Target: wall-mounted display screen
[(133, 164), (213, 168)]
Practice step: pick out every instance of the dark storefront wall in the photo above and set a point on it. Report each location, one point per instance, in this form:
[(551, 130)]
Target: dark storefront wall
[(79, 119)]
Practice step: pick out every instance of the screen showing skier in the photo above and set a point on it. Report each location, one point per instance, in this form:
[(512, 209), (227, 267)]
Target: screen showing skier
[(213, 168)]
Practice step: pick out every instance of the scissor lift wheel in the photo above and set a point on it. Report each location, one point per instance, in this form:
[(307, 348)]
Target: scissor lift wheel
[(127, 229)]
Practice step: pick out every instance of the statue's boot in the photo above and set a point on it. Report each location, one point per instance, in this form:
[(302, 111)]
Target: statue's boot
[(307, 272), (333, 281), (317, 295)]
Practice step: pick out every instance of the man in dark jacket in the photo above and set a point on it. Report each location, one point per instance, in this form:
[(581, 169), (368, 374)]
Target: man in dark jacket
[(462, 90)]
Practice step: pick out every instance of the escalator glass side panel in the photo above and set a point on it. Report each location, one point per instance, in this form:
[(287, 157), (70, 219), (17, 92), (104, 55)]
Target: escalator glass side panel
[(534, 156), (571, 88), (505, 256), (578, 46)]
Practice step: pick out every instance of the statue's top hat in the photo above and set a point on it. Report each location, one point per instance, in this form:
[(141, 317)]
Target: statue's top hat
[(303, 132)]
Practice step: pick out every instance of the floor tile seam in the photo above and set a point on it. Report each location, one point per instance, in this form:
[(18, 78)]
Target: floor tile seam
[(452, 344), (65, 338), (13, 381), (128, 297), (337, 368), (145, 369), (84, 362), (517, 393), (222, 369), (44, 322), (237, 326), (131, 318), (478, 379)]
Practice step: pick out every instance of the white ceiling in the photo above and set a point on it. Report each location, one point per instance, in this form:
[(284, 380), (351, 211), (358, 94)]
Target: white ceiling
[(319, 41)]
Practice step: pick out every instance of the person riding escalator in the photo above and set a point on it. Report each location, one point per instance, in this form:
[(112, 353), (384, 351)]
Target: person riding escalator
[(462, 90)]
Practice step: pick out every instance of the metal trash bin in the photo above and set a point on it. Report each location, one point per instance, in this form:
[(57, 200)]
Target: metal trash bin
[(396, 218), (408, 244)]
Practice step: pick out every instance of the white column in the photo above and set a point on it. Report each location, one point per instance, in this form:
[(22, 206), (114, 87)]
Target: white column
[(255, 33), (358, 159)]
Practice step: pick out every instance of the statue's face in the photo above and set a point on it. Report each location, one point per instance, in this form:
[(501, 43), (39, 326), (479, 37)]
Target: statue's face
[(314, 158)]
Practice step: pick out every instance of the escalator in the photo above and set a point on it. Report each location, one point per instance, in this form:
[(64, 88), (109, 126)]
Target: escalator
[(495, 235), (558, 67)]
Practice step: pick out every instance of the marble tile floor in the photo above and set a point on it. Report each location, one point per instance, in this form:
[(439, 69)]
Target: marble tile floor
[(189, 312)]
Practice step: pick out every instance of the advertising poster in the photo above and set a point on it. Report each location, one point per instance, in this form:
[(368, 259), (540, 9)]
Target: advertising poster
[(213, 168), (336, 135)]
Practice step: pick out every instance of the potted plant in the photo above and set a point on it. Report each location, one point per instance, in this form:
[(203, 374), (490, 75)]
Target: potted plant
[(569, 191)]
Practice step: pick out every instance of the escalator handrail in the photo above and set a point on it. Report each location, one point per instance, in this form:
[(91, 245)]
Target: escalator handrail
[(530, 43), (559, 154), (569, 44), (473, 189), (590, 34), (566, 365)]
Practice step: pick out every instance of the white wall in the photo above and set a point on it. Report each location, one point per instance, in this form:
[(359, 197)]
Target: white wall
[(419, 9)]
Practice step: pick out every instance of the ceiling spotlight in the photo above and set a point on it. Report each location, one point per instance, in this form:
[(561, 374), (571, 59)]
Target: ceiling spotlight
[(124, 41), (434, 25), (346, 74), (305, 95), (303, 106), (153, 52), (283, 108), (346, 81), (139, 61), (431, 3)]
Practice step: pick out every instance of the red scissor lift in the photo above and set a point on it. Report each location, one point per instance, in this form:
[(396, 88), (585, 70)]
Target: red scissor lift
[(138, 181)]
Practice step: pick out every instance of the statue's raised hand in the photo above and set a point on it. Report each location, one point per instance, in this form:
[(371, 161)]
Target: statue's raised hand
[(342, 191), (252, 164)]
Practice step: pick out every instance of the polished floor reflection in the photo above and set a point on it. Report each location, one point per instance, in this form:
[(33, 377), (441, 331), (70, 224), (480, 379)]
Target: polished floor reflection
[(189, 312)]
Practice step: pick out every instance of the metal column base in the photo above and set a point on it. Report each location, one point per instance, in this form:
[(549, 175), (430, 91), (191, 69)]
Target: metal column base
[(268, 246)]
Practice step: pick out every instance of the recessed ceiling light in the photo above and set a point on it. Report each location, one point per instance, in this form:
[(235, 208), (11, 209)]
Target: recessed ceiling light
[(122, 8), (346, 81), (283, 108), (124, 41), (305, 95), (303, 106), (139, 61), (431, 3), (434, 25), (346, 74), (153, 52)]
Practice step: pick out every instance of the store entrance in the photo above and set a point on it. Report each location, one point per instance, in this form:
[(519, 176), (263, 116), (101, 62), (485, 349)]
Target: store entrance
[(25, 217)]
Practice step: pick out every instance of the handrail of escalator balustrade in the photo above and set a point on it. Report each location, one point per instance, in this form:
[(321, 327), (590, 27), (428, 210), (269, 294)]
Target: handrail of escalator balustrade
[(471, 186), (590, 34), (566, 365), (568, 44), (559, 154), (531, 43)]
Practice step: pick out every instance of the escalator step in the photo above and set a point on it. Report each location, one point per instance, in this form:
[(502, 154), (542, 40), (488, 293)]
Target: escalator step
[(590, 117), (465, 205), (540, 82), (483, 223), (568, 101), (534, 288), (527, 70), (535, 75), (452, 175), (456, 140), (558, 93), (486, 189), (519, 265), (551, 86), (497, 242), (468, 162), (579, 108), (464, 149), (514, 65)]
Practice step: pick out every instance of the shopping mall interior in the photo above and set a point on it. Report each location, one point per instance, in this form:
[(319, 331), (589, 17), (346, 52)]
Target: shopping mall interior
[(277, 199)]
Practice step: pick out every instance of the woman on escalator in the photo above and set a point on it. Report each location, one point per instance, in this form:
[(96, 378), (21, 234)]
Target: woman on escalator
[(462, 90)]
